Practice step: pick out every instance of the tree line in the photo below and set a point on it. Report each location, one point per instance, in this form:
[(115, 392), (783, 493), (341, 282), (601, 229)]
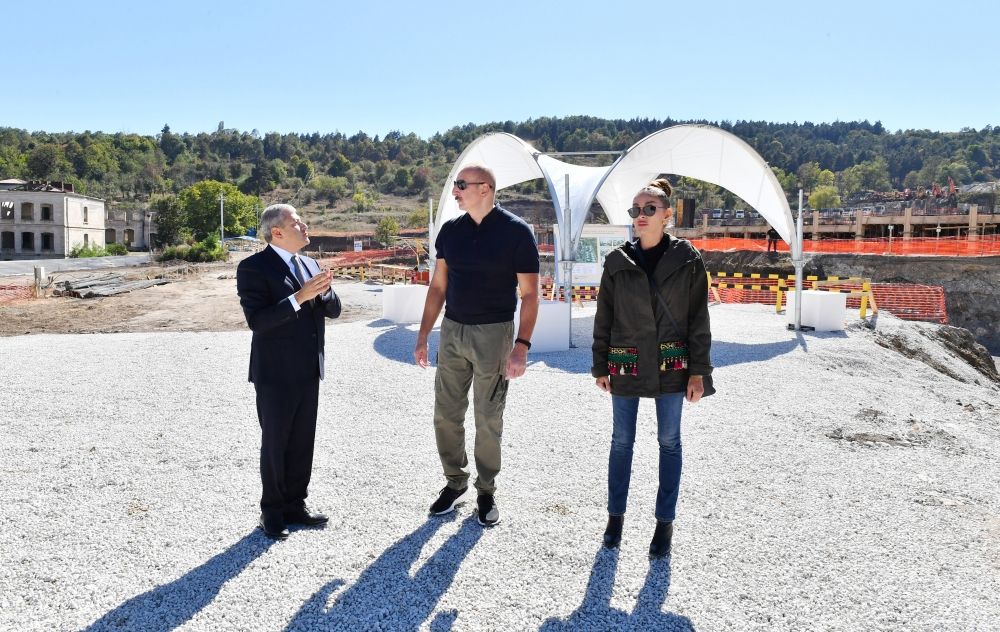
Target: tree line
[(844, 158)]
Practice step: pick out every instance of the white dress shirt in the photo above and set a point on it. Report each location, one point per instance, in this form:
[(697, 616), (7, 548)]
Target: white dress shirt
[(304, 271)]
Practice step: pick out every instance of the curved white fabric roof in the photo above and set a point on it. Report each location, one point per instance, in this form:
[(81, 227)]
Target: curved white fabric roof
[(697, 151)]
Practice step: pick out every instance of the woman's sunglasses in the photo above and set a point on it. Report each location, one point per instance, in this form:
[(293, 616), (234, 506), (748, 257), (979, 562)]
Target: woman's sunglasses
[(463, 185), (649, 210)]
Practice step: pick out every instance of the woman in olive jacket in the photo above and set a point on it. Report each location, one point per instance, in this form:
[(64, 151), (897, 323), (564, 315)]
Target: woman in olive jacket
[(651, 339)]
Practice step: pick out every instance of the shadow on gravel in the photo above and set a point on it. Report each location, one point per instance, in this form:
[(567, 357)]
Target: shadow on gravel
[(596, 613), (397, 343), (731, 353), (169, 606), (386, 596)]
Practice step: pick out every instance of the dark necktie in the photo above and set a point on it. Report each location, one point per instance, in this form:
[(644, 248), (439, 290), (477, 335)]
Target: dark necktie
[(296, 266)]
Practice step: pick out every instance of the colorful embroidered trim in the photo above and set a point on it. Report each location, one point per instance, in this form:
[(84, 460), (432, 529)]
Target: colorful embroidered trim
[(673, 356), (623, 360)]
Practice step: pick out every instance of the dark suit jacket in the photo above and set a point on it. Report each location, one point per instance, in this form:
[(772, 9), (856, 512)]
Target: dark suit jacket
[(287, 346)]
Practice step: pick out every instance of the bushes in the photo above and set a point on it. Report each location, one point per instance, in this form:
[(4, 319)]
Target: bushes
[(203, 251), (81, 251)]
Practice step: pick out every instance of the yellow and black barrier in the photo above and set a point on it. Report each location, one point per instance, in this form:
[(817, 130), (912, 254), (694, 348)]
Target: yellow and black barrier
[(779, 284)]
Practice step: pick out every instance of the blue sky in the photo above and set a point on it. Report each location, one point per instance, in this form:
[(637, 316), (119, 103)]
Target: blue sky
[(423, 67)]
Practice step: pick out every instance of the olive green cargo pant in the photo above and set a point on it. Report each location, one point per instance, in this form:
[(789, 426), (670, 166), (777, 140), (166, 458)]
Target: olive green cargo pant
[(473, 355)]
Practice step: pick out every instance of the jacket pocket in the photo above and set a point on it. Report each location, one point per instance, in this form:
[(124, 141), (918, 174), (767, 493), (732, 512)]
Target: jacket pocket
[(623, 360), (673, 356)]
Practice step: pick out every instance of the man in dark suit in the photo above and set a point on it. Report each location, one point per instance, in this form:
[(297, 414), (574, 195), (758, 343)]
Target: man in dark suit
[(285, 298)]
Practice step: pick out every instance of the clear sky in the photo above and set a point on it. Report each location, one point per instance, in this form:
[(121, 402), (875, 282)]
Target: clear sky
[(426, 66)]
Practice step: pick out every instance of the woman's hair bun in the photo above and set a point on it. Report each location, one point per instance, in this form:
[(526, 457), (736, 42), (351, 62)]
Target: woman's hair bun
[(663, 184)]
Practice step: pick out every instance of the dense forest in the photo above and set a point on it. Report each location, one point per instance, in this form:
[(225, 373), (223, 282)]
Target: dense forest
[(336, 174)]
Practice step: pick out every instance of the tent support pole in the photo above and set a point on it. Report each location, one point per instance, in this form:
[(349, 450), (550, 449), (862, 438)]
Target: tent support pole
[(430, 238), (797, 260), (568, 265)]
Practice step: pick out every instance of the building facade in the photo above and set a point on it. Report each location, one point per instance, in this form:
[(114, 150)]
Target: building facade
[(44, 221), (133, 228)]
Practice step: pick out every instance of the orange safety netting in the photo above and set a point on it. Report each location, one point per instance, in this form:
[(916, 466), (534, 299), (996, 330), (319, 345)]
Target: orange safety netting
[(15, 291), (909, 301), (362, 257), (950, 246)]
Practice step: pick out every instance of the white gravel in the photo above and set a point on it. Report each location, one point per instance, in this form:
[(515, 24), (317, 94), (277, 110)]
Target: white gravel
[(831, 484)]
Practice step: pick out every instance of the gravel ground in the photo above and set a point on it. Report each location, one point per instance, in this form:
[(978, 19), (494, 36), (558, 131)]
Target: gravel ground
[(831, 484)]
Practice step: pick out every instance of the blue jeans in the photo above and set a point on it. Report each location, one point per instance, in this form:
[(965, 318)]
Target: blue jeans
[(668, 434)]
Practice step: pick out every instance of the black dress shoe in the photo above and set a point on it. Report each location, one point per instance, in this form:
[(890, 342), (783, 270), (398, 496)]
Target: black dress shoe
[(305, 517), (613, 532), (660, 546), (273, 527)]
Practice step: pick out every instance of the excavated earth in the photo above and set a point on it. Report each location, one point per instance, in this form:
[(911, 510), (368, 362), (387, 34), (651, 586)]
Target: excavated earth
[(971, 284)]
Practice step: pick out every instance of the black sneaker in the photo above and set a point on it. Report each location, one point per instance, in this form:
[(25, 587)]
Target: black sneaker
[(489, 514), (446, 502)]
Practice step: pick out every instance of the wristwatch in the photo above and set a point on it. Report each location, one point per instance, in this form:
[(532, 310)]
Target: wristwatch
[(526, 343)]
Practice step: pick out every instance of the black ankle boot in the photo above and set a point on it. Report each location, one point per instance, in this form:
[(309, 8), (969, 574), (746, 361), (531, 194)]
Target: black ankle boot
[(613, 532), (660, 546)]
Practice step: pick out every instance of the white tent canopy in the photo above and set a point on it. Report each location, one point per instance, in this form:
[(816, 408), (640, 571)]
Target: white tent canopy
[(696, 151)]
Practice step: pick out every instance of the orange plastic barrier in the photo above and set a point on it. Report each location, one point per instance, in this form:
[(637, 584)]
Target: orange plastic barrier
[(988, 246)]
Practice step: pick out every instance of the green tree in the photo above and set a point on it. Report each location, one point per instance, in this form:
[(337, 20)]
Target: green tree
[(278, 170), (421, 178), (808, 176), (339, 165), (13, 163), (956, 170), (403, 179), (329, 187), (170, 144), (386, 231), (382, 169), (44, 161), (99, 162), (786, 180), (170, 219), (824, 196), (364, 201), (305, 170), (200, 206), (872, 175), (417, 218)]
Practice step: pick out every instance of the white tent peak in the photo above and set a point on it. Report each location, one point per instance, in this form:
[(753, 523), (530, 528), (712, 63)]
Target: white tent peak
[(702, 152)]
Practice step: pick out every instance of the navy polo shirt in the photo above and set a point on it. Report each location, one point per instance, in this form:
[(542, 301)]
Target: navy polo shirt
[(483, 263)]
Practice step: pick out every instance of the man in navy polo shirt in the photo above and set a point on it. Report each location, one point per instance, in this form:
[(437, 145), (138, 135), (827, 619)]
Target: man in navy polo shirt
[(483, 258)]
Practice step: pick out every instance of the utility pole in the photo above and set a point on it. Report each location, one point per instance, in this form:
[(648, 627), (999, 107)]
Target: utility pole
[(222, 219)]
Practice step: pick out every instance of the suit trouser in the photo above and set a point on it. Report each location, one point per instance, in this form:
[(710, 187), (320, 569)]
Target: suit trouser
[(287, 416), (473, 355)]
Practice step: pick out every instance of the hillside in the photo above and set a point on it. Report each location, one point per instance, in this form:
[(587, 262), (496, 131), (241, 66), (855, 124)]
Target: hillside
[(334, 168)]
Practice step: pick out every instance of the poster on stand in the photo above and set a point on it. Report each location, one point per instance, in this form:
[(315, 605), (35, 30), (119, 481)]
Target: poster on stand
[(596, 241)]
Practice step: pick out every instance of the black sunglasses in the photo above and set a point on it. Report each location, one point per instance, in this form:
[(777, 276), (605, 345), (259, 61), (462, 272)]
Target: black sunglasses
[(649, 210), (463, 185)]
